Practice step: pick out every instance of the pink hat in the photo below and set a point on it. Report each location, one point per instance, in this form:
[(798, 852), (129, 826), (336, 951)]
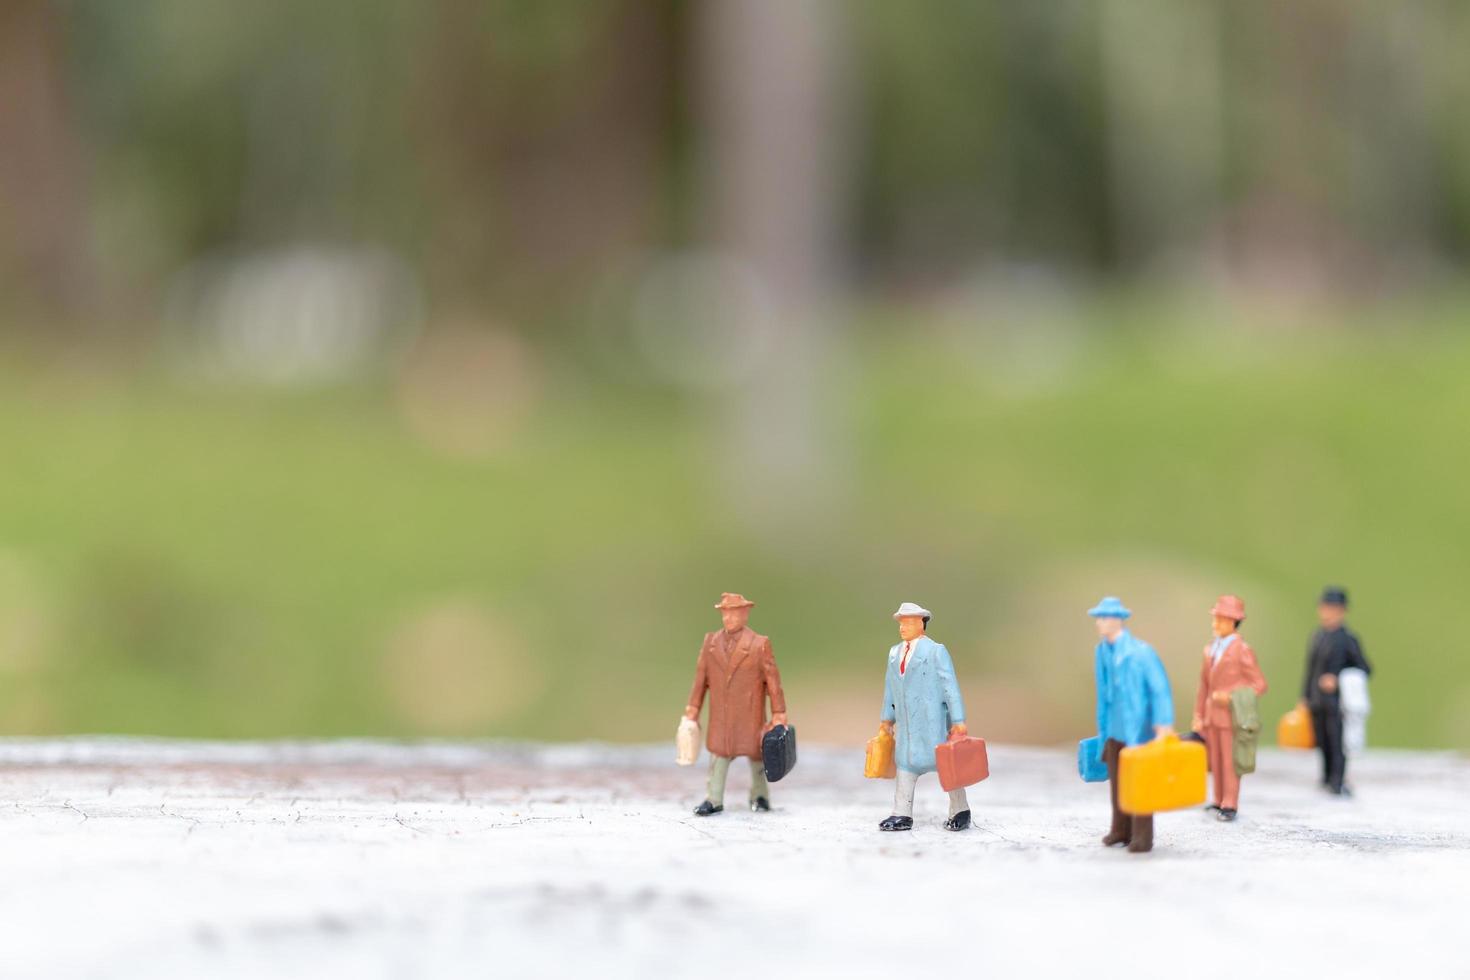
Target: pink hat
[(1229, 606)]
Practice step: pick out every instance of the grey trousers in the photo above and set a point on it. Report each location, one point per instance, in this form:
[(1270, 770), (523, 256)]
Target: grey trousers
[(719, 768), (903, 796)]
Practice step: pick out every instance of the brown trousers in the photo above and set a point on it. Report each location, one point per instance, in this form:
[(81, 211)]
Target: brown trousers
[(1220, 743), (1136, 832)]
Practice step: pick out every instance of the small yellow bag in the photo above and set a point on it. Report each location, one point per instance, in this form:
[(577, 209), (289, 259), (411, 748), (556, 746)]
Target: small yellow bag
[(1294, 731), (1165, 774), (880, 764)]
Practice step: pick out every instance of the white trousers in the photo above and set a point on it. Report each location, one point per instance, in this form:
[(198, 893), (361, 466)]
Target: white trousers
[(903, 796)]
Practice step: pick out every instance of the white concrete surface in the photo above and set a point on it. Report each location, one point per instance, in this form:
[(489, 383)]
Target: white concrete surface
[(366, 860)]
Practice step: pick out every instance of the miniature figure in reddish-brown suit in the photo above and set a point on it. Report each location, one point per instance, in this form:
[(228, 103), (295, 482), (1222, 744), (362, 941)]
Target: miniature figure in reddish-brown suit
[(738, 670), (1229, 664)]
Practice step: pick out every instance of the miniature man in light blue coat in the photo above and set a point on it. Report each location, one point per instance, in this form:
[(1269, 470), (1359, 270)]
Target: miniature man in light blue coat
[(922, 697), (1134, 705)]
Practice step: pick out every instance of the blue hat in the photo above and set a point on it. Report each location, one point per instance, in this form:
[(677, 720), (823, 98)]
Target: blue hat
[(1333, 596), (1111, 607)]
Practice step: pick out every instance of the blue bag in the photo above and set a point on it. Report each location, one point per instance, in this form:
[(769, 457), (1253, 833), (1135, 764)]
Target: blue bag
[(1089, 760)]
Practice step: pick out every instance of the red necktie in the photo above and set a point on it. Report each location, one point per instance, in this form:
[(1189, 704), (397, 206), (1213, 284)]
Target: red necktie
[(903, 661)]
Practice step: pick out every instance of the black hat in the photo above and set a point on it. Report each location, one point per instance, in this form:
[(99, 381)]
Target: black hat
[(1333, 596)]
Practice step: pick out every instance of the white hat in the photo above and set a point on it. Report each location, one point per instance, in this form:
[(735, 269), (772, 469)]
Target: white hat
[(911, 609)]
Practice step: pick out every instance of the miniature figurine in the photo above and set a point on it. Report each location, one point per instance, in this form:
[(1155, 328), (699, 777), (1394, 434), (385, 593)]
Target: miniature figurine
[(738, 670), (1332, 649), (1229, 666), (921, 697), (1134, 705)]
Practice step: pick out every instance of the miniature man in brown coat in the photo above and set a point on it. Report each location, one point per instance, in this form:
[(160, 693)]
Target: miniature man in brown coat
[(1229, 663), (738, 670)]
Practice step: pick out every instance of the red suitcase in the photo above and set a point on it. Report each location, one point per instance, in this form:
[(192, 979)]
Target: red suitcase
[(961, 762)]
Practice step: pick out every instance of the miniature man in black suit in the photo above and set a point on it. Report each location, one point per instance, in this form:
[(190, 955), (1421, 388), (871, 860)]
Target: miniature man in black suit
[(1332, 649)]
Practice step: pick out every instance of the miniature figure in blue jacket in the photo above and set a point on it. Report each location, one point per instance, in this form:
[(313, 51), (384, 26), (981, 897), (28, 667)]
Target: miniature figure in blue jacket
[(1134, 705), (922, 697)]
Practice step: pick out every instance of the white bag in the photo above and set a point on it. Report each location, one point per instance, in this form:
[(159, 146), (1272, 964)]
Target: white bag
[(1352, 688), (686, 742)]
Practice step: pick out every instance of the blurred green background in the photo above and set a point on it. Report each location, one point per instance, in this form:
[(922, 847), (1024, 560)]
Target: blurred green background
[(429, 370)]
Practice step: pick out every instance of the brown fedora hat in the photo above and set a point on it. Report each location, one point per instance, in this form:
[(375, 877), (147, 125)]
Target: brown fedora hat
[(733, 600), (1229, 606)]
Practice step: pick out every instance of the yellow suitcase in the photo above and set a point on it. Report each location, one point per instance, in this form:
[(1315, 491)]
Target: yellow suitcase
[(1165, 774), (879, 763), (1295, 730)]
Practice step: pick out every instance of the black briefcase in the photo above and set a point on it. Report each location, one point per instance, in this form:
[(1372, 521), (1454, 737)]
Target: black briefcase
[(778, 751)]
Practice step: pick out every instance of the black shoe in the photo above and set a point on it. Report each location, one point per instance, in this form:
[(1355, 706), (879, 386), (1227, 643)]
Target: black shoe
[(760, 805), (707, 808), (1213, 808), (897, 823), (959, 821), (1225, 815), (1342, 791)]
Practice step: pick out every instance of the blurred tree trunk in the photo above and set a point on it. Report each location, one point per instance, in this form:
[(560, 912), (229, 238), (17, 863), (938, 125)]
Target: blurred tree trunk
[(45, 253), (540, 127), (1166, 118), (773, 142)]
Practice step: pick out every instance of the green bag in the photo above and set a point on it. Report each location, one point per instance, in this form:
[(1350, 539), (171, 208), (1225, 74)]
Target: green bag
[(1245, 718)]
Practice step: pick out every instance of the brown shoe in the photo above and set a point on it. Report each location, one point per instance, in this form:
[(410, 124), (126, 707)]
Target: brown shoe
[(1112, 839), (1143, 835)]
